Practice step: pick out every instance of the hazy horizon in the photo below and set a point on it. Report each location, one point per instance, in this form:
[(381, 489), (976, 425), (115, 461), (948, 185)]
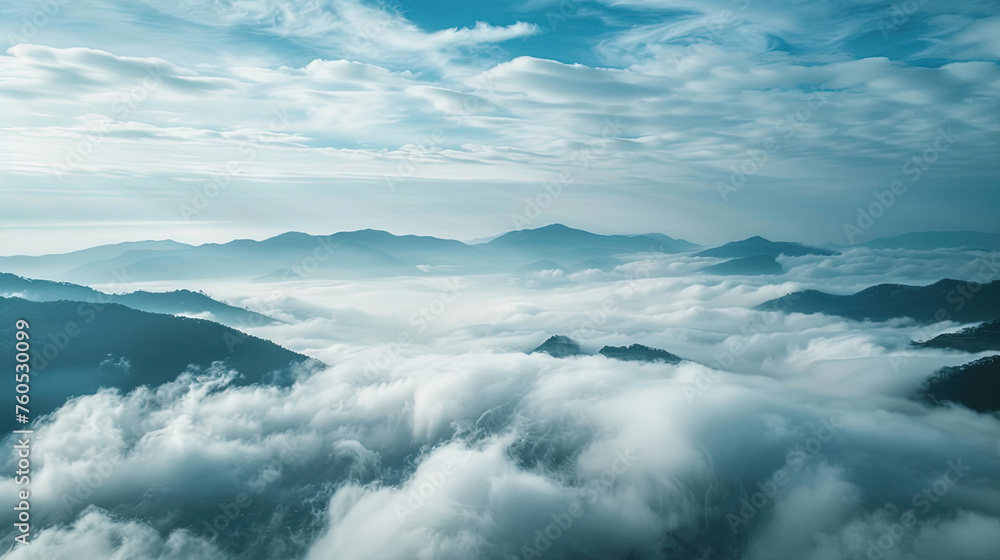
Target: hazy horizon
[(59, 249)]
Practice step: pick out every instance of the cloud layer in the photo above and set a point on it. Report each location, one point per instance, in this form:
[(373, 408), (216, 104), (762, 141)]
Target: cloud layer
[(782, 436)]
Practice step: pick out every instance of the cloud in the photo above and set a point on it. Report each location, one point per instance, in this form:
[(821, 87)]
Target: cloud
[(99, 535), (354, 73), (86, 70), (457, 444), (667, 109), (350, 28)]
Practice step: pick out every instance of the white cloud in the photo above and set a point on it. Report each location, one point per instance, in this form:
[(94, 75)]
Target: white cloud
[(499, 441)]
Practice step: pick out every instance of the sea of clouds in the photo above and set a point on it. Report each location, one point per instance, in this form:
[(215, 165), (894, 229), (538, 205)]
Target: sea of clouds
[(432, 434)]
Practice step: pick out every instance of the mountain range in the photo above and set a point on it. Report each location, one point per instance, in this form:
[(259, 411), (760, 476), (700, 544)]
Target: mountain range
[(373, 253), (639, 353), (757, 245), (178, 302), (353, 254), (79, 347), (929, 240), (975, 385), (559, 346), (746, 266), (946, 299), (981, 338)]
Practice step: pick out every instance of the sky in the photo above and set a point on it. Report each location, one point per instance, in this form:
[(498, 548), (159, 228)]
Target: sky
[(204, 121)]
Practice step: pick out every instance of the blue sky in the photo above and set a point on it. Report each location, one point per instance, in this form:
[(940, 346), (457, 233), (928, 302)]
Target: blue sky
[(210, 120)]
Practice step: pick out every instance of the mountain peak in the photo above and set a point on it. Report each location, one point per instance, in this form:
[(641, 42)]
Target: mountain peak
[(559, 346), (757, 245), (639, 353), (557, 227), (289, 236)]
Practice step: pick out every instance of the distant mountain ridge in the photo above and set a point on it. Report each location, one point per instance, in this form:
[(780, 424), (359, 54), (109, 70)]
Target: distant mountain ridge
[(757, 245), (177, 302), (946, 299), (374, 253), (79, 347), (352, 254), (981, 338), (747, 266), (567, 246), (561, 234), (56, 266), (929, 240)]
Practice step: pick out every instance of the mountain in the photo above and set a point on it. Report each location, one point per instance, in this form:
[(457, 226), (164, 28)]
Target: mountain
[(605, 265), (746, 266), (639, 353), (345, 255), (670, 245), (563, 236), (980, 338), (186, 302), (757, 245), (352, 254), (930, 240), (12, 285), (56, 265), (975, 385), (280, 275), (559, 346), (79, 347), (944, 300), (540, 266), (179, 302), (413, 249), (565, 245)]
